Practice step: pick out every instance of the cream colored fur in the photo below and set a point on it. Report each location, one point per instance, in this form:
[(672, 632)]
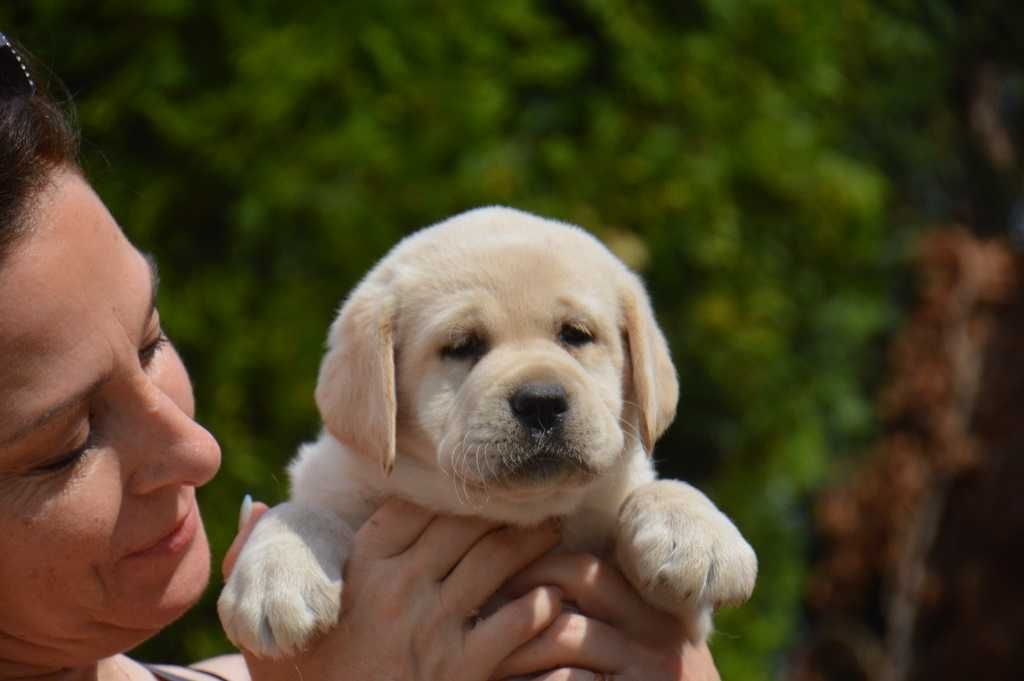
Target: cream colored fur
[(403, 417)]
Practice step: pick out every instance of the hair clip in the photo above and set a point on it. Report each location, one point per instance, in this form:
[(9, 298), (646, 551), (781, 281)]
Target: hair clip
[(15, 79)]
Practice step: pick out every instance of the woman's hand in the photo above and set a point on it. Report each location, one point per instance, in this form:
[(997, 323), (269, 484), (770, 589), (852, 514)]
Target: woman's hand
[(615, 634), (412, 587)]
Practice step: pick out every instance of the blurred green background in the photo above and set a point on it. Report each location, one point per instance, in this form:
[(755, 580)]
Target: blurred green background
[(762, 164)]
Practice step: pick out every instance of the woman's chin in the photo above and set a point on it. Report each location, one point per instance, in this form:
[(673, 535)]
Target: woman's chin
[(189, 582), (146, 606), (160, 589)]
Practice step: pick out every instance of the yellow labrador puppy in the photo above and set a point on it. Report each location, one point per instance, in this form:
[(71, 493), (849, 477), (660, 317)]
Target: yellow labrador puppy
[(499, 365)]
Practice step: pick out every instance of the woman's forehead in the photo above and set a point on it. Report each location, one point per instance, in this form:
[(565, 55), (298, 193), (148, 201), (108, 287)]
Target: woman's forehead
[(74, 264)]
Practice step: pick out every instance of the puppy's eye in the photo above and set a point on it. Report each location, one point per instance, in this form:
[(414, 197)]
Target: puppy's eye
[(466, 347), (575, 335)]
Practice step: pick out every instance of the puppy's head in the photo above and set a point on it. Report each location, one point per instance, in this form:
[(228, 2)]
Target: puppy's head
[(515, 355)]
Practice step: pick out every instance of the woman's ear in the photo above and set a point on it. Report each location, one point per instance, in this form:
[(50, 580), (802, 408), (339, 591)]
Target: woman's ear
[(653, 384), (356, 388)]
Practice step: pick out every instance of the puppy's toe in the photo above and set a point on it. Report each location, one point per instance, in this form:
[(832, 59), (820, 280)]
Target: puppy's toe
[(681, 553), (285, 587), (284, 618), (672, 566), (274, 614)]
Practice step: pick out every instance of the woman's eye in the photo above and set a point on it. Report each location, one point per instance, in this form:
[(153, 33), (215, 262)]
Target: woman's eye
[(66, 461), (575, 335), (148, 352), (467, 347)]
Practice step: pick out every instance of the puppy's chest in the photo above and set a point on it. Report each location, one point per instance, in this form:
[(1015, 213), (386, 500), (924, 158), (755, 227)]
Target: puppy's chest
[(586, 532), (581, 532)]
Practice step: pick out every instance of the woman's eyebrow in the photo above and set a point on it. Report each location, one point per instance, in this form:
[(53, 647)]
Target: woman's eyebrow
[(56, 410), (154, 286)]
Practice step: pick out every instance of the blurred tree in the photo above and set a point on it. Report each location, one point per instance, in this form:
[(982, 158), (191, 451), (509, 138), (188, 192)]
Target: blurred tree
[(733, 152), (919, 548), (921, 552)]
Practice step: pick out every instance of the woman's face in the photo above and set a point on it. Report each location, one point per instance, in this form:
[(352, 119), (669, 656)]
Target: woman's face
[(101, 543)]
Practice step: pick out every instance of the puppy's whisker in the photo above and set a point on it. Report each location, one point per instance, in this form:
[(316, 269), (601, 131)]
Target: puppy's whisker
[(481, 473), (443, 446), (455, 480), (629, 428), (461, 467), (502, 463), (503, 476), (491, 464), (467, 491), (473, 458), (455, 472)]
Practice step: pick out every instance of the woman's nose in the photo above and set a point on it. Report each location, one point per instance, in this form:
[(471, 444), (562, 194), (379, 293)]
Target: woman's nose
[(168, 447)]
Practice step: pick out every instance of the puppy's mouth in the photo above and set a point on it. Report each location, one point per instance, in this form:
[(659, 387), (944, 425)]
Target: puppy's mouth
[(539, 461), (545, 465)]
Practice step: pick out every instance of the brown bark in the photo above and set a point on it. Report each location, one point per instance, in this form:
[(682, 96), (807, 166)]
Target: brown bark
[(924, 544)]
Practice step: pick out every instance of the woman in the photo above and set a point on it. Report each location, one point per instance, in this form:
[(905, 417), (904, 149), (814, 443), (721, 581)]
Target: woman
[(101, 540)]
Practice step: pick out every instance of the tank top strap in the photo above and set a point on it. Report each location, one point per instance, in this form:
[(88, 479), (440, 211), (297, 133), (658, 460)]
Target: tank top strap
[(165, 675)]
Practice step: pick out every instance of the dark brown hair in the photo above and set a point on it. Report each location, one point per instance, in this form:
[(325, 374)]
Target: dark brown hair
[(37, 136)]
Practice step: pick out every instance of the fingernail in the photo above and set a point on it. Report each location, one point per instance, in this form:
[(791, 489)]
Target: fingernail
[(245, 512)]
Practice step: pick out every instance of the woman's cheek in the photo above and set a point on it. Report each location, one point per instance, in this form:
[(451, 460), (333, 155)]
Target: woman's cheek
[(38, 500), (66, 522)]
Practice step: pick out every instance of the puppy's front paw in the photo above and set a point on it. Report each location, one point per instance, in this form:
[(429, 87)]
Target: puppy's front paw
[(286, 585), (682, 554)]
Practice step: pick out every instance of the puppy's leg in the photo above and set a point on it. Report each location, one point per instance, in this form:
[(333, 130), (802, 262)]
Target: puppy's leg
[(682, 553), (286, 584)]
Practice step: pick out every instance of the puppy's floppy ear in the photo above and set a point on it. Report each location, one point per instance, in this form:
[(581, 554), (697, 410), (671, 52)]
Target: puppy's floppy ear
[(356, 388), (654, 385)]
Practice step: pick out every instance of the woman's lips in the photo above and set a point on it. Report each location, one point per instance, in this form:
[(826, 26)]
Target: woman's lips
[(179, 538)]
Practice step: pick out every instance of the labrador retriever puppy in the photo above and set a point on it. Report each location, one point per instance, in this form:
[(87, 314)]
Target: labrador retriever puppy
[(499, 365)]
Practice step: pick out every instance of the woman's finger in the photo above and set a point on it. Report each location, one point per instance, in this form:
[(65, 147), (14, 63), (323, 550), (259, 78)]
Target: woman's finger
[(445, 541), (575, 641), (492, 640), (601, 592), (246, 525), (392, 529), (491, 561), (698, 664)]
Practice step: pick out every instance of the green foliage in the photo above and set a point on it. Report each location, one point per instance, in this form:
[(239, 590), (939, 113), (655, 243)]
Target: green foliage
[(268, 153)]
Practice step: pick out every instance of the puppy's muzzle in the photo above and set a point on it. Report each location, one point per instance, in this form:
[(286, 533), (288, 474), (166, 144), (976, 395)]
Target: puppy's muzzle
[(543, 451)]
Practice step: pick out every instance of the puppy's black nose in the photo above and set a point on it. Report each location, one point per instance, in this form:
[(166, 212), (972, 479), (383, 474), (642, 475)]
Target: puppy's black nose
[(539, 406)]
